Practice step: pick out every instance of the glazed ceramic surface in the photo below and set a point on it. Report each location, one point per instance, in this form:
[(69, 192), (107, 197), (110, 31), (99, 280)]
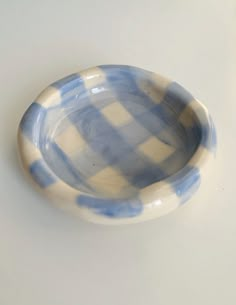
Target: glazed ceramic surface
[(116, 144)]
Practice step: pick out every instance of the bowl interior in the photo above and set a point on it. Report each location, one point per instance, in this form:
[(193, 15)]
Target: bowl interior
[(118, 130)]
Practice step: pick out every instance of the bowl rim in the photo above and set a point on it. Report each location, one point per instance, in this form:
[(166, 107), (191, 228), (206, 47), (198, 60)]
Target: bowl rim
[(161, 189)]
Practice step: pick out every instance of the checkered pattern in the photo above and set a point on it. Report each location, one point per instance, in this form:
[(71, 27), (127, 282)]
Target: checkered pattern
[(115, 134)]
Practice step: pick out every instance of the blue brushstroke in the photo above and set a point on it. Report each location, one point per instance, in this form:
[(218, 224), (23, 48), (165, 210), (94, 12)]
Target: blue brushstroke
[(186, 182), (176, 98), (153, 117), (213, 144), (203, 134), (209, 138), (68, 83), (100, 135), (32, 121), (40, 174), (111, 207), (68, 172)]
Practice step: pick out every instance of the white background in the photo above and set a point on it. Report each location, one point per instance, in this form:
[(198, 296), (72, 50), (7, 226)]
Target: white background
[(187, 257)]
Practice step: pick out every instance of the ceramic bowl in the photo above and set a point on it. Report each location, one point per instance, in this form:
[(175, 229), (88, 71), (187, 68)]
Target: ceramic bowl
[(116, 144)]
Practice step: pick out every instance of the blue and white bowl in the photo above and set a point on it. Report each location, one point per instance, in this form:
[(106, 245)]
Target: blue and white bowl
[(116, 144)]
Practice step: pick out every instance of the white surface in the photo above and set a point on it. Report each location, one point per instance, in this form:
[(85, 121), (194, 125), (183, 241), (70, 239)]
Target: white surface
[(187, 257)]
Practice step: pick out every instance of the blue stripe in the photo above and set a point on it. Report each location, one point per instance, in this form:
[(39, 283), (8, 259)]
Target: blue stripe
[(110, 207), (32, 122), (77, 100), (107, 142), (151, 116), (40, 174), (68, 172), (139, 170), (68, 83), (186, 182), (176, 98), (99, 134), (204, 135), (134, 133), (208, 136), (213, 142), (122, 81)]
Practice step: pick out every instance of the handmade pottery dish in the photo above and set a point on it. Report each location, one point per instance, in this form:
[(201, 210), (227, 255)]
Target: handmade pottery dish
[(116, 144)]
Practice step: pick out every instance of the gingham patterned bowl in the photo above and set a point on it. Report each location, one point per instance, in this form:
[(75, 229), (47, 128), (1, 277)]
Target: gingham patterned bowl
[(116, 144)]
